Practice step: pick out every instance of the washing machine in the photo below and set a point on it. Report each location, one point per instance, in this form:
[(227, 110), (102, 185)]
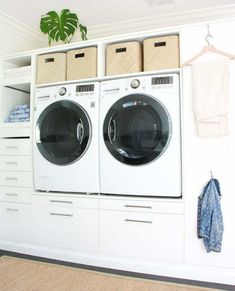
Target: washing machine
[(140, 136), (66, 138)]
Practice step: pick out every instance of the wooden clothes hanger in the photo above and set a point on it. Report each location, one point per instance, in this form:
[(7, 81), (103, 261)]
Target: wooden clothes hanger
[(207, 48)]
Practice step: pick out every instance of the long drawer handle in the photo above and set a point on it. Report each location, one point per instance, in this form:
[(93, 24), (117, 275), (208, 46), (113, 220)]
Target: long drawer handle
[(12, 147), (11, 194), (12, 178), (138, 206), (138, 221), (60, 214), (12, 209), (61, 201), (11, 163)]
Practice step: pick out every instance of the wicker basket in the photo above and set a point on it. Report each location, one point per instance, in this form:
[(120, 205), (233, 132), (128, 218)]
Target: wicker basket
[(161, 53), (82, 63), (51, 68), (123, 58)]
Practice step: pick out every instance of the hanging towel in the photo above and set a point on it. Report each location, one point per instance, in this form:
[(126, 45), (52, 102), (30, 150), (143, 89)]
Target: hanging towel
[(210, 97), (210, 220)]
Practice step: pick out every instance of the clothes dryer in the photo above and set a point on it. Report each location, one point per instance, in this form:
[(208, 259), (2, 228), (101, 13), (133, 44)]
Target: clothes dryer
[(66, 138), (140, 136)]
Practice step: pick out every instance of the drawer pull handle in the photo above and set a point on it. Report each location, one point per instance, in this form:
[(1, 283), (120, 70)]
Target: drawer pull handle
[(11, 194), (61, 214), (138, 206), (12, 209), (61, 201), (12, 147), (11, 178), (138, 221), (11, 163)]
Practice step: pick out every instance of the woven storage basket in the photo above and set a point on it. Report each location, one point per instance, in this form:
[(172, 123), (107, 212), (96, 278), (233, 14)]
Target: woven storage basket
[(123, 58), (51, 68), (161, 53), (82, 63)]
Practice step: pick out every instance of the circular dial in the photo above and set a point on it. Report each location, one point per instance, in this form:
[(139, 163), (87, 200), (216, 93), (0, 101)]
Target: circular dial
[(135, 83), (62, 91)]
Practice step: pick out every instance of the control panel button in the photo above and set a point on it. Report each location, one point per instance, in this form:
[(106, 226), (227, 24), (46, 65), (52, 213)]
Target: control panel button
[(135, 83), (62, 91)]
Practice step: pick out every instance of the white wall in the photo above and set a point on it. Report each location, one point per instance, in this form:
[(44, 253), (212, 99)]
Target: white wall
[(202, 155), (16, 36)]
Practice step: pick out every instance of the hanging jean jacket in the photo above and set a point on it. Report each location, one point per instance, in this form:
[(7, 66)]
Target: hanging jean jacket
[(210, 220)]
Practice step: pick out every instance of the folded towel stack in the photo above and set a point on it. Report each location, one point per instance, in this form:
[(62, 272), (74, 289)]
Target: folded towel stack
[(20, 113)]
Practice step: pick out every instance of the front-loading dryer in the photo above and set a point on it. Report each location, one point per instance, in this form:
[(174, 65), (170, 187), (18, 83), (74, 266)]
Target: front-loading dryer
[(140, 136), (66, 138)]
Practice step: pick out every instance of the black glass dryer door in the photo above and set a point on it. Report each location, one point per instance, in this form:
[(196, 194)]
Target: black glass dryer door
[(63, 132), (137, 129)]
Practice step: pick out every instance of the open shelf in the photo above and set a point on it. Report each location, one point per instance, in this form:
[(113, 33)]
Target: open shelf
[(20, 83), (15, 90)]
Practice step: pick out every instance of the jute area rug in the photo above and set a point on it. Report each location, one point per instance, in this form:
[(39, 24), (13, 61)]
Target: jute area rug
[(27, 275)]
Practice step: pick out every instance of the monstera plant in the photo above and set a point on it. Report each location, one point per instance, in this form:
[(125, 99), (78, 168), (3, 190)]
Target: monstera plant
[(61, 27)]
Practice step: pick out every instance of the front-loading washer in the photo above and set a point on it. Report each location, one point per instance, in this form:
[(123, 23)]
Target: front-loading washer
[(140, 136), (66, 138)]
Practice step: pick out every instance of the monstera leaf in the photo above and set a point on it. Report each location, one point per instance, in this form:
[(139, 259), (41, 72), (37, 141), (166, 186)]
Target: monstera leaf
[(61, 27)]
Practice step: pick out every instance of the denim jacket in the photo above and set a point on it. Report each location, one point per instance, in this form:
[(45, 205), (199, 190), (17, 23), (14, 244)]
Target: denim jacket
[(210, 220)]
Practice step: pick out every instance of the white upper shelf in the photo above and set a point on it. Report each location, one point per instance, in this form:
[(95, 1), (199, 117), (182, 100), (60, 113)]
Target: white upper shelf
[(105, 78)]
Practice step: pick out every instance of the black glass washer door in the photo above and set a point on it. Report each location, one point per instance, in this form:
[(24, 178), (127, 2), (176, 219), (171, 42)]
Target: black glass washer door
[(63, 132), (137, 129)]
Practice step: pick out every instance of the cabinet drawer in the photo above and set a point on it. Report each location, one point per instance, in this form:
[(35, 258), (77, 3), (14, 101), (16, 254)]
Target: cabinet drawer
[(14, 194), (17, 179), (56, 200), (14, 222), (142, 235), (15, 163), (63, 227), (14, 146), (142, 206)]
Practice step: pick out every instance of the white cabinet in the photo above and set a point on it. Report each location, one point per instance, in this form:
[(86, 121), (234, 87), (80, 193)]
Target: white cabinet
[(66, 227), (16, 179), (14, 222), (144, 235)]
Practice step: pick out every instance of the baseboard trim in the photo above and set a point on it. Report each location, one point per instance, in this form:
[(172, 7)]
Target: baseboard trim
[(119, 272), (207, 276)]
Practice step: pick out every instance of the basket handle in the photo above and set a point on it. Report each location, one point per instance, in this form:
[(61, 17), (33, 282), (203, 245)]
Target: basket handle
[(81, 55), (121, 50), (161, 43), (49, 60)]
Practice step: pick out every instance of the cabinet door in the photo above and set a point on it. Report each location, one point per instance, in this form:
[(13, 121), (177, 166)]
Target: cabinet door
[(142, 235), (14, 222), (69, 228)]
